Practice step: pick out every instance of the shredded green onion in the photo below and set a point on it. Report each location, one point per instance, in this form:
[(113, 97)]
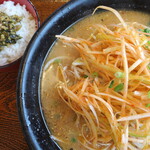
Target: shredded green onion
[(57, 116), (119, 87), (137, 135)]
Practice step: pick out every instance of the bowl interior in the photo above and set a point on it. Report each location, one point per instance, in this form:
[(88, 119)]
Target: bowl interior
[(28, 91)]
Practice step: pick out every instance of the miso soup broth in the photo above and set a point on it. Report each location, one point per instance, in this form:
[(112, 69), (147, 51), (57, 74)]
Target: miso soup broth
[(61, 120)]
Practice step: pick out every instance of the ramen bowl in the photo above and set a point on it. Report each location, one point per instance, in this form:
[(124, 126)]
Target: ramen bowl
[(10, 57), (30, 110)]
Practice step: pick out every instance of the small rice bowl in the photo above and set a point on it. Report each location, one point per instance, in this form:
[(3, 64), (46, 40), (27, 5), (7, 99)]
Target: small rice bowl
[(15, 51)]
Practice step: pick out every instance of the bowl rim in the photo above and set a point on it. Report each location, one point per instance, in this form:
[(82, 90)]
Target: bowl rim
[(16, 61), (23, 77)]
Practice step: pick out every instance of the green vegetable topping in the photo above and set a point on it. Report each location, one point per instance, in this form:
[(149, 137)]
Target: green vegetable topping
[(148, 42), (8, 28), (119, 74), (73, 140), (148, 94), (57, 116), (95, 74), (138, 135), (148, 66), (147, 47), (147, 105), (119, 87), (85, 76), (57, 61), (141, 30), (146, 30), (111, 84), (71, 29)]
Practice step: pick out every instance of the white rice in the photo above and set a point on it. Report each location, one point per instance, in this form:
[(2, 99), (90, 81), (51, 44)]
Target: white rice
[(15, 51)]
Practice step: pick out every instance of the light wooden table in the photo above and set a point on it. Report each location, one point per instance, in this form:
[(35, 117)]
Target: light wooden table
[(11, 135)]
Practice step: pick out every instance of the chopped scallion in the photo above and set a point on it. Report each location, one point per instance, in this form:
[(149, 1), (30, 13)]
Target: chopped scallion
[(148, 66), (148, 42), (147, 105), (73, 140), (119, 87), (71, 29), (148, 94), (141, 30), (119, 75), (85, 76), (147, 47), (57, 116), (57, 61), (137, 135), (146, 30), (95, 74), (111, 84)]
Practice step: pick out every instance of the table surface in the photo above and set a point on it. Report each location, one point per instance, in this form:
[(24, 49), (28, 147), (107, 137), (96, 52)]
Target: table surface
[(11, 135)]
